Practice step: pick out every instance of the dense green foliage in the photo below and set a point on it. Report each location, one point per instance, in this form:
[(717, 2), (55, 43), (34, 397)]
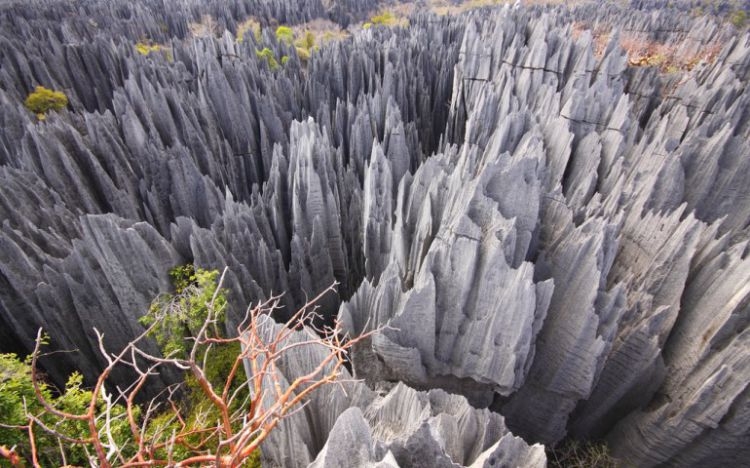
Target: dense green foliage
[(180, 316), (17, 398), (15, 392), (183, 276), (43, 100)]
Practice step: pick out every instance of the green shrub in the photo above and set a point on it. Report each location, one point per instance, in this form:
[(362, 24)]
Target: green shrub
[(15, 391), (42, 100), (285, 34), (17, 397), (183, 276), (387, 18), (267, 55), (181, 316), (307, 41), (738, 18), (145, 48)]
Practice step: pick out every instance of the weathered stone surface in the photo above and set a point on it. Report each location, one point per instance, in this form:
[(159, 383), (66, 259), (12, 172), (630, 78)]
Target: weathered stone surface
[(404, 428), (536, 224)]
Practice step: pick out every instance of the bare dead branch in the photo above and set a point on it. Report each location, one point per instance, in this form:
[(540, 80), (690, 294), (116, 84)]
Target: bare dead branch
[(247, 413)]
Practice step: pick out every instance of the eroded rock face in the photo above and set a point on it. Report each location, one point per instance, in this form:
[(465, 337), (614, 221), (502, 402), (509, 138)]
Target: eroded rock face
[(608, 220), (347, 424), (533, 222)]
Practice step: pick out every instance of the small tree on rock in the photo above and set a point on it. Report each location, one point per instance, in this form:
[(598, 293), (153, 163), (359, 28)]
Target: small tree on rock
[(42, 100)]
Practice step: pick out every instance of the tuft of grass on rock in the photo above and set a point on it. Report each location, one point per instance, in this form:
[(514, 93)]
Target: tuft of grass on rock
[(581, 454)]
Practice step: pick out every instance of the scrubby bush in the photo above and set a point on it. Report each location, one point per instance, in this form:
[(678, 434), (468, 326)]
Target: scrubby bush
[(249, 25), (577, 454), (738, 18), (303, 54), (307, 41), (267, 55), (145, 48), (388, 18), (285, 34), (43, 100), (385, 18)]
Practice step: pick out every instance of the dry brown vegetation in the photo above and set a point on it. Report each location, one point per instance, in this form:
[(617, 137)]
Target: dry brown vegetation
[(448, 7), (668, 58), (645, 52), (252, 26), (323, 30), (207, 27)]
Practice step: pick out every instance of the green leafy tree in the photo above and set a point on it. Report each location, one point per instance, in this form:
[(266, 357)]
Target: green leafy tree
[(43, 100)]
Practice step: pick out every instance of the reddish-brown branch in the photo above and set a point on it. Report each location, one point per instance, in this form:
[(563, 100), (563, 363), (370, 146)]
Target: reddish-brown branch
[(10, 455), (131, 416), (32, 444), (237, 434)]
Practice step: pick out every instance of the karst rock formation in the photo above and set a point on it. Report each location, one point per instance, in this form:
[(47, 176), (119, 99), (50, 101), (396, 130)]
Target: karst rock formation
[(551, 240)]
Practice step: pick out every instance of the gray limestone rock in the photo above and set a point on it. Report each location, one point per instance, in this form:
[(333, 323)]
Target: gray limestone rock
[(530, 218)]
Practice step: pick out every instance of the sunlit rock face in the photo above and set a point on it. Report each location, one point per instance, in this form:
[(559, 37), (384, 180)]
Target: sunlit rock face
[(550, 235), (349, 424)]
